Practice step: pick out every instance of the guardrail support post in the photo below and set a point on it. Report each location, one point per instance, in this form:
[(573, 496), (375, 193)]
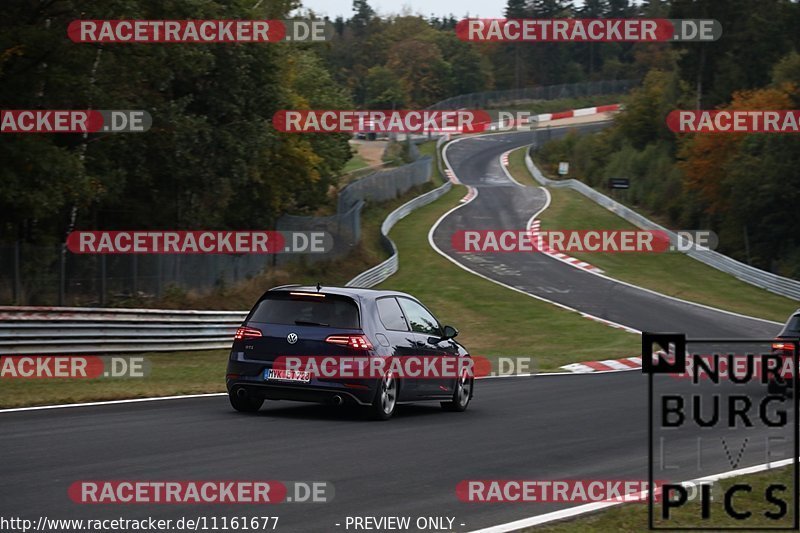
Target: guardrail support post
[(135, 274), (160, 273), (17, 280), (103, 279), (62, 274)]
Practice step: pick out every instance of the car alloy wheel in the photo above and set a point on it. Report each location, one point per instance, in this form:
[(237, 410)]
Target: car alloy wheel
[(388, 392)]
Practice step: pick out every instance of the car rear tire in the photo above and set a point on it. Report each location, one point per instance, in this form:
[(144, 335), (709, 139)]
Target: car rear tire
[(246, 404), (462, 393), (385, 402)]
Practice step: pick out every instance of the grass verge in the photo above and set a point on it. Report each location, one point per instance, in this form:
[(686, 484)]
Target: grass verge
[(169, 374), (671, 273), (633, 517)]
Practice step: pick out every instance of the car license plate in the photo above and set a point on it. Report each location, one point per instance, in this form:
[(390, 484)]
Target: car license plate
[(287, 375)]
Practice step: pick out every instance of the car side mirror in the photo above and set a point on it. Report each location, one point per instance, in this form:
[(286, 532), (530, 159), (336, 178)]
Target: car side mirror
[(450, 332)]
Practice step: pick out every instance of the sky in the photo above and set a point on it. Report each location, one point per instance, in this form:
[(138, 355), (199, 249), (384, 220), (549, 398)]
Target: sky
[(459, 8)]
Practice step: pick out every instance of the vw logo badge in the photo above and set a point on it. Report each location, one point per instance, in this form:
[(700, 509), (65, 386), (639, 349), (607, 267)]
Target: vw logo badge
[(291, 338)]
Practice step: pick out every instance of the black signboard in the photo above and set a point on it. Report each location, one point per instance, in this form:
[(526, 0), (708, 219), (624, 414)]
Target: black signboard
[(619, 183)]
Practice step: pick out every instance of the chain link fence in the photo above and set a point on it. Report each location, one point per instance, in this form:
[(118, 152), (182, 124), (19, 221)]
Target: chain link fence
[(344, 227), (385, 184), (49, 275), (489, 99)]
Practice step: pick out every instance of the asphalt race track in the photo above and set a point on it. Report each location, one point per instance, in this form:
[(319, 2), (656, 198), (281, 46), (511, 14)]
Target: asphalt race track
[(591, 427), (549, 427)]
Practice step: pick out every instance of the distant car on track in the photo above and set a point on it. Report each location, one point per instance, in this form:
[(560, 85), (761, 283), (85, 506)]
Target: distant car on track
[(330, 322), (785, 348)]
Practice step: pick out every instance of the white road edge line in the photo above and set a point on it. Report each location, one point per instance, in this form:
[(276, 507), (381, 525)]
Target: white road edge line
[(111, 402), (213, 394), (597, 506), (505, 167)]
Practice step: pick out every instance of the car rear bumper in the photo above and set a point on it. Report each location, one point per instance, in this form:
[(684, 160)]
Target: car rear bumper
[(301, 393), (249, 377)]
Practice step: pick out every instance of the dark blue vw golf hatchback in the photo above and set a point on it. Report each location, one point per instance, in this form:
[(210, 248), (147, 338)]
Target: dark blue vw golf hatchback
[(335, 322)]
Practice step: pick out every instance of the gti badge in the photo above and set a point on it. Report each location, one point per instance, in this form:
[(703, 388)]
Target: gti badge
[(291, 338)]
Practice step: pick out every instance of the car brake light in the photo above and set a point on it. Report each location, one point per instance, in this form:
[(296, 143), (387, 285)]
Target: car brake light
[(785, 346), (359, 342), (247, 333)]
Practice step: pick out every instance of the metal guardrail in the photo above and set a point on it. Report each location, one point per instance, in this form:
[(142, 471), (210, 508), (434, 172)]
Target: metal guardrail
[(379, 273), (749, 274), (439, 159), (64, 330)]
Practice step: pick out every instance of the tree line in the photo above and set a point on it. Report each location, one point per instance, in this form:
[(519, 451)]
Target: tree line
[(212, 158)]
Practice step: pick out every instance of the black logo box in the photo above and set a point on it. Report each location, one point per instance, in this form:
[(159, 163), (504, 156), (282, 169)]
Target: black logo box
[(670, 358)]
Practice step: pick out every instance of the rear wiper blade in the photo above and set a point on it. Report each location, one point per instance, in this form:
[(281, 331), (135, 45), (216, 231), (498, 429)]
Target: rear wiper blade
[(309, 323)]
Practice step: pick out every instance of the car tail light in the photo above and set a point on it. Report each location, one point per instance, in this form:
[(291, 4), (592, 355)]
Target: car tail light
[(247, 333), (785, 346), (359, 342)]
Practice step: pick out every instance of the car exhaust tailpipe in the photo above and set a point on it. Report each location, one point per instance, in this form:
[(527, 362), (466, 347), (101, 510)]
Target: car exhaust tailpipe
[(338, 400), (241, 393)]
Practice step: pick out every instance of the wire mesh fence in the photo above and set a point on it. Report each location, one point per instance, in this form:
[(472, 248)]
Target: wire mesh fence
[(489, 99), (344, 227), (51, 275), (385, 184)]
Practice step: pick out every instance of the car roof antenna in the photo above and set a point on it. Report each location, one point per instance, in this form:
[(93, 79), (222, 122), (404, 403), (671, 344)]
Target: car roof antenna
[(318, 286)]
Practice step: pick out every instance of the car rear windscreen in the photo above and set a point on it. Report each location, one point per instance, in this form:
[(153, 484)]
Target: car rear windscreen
[(324, 310), (792, 328)]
